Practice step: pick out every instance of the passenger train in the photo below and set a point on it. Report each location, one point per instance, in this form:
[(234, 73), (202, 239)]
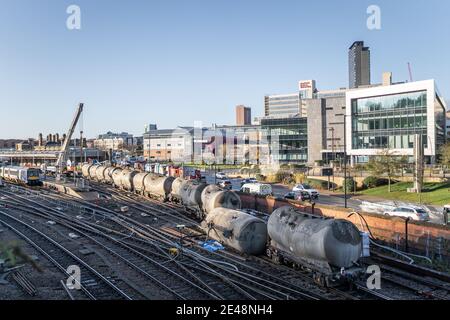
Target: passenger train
[(330, 248), (21, 175)]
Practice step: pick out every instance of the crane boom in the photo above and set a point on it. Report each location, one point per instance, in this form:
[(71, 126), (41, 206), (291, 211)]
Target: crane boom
[(66, 143), (410, 72)]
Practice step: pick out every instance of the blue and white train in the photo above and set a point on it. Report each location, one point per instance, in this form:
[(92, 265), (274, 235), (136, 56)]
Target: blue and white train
[(21, 175)]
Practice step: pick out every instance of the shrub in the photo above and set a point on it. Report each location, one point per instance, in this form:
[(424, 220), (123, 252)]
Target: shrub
[(317, 184), (299, 177), (260, 177), (349, 184), (372, 182)]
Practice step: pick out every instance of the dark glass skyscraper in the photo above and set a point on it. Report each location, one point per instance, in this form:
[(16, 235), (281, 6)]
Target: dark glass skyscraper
[(358, 65)]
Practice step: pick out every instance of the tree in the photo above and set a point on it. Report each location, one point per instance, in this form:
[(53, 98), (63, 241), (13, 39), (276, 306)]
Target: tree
[(387, 163), (445, 155)]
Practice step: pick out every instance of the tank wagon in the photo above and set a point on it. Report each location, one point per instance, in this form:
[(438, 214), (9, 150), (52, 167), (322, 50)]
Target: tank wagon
[(239, 230), (92, 171), (215, 197), (85, 169), (189, 193), (117, 177), (330, 248), (100, 173), (157, 186), (138, 182), (127, 176)]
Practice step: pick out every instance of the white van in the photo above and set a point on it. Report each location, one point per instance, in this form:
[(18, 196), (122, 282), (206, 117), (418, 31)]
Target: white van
[(257, 188)]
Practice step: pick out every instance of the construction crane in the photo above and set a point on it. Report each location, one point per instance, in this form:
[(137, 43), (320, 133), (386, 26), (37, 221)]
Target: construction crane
[(410, 72), (63, 154)]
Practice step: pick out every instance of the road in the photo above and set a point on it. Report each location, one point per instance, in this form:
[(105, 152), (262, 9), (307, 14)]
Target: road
[(336, 200)]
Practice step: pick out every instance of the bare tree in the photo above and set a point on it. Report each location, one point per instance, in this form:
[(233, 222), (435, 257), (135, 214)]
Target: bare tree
[(387, 163)]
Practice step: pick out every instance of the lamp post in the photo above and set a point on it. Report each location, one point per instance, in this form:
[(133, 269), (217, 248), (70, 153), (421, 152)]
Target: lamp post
[(345, 161)]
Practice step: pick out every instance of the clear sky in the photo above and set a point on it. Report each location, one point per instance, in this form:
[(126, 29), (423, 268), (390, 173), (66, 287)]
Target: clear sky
[(175, 62)]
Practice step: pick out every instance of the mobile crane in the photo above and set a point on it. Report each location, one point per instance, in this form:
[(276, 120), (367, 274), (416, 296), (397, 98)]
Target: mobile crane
[(62, 157)]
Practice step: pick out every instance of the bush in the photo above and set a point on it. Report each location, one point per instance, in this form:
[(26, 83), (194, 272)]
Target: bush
[(317, 184), (260, 177), (299, 177), (372, 182), (349, 184)]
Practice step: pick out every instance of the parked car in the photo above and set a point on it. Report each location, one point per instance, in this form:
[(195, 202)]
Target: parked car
[(226, 184), (306, 187), (248, 180), (221, 175), (257, 188), (299, 196), (415, 213)]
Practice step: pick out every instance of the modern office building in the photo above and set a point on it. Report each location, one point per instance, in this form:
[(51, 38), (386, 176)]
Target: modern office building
[(389, 116), (358, 65), (325, 125), (243, 115), (287, 138), (448, 123), (283, 105)]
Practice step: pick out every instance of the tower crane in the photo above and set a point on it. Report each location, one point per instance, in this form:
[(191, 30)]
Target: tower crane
[(63, 153)]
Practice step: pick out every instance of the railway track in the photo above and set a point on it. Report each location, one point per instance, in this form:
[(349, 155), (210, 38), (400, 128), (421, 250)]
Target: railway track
[(230, 283), (149, 232), (94, 285)]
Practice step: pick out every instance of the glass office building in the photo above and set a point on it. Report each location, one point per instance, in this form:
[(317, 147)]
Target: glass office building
[(388, 117), (389, 121), (287, 138)]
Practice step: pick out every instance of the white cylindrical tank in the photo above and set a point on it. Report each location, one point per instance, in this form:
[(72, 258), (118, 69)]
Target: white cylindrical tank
[(191, 193), (215, 197), (127, 179), (158, 186), (100, 173), (117, 177), (237, 229), (93, 171), (108, 174), (85, 169), (138, 181), (335, 241), (176, 187)]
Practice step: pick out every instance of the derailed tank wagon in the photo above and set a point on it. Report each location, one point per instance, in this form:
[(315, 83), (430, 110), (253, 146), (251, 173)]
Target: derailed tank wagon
[(329, 248), (239, 230)]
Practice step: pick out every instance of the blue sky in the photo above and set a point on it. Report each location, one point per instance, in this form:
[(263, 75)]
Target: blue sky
[(174, 62)]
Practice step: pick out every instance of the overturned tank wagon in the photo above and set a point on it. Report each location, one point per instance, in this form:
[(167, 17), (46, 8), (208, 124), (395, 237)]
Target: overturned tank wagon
[(93, 171), (329, 247), (117, 177), (100, 173), (157, 186), (215, 197), (239, 230), (138, 182), (85, 169), (127, 179)]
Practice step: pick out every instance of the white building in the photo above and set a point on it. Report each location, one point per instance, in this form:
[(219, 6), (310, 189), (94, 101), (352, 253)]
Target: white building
[(388, 117)]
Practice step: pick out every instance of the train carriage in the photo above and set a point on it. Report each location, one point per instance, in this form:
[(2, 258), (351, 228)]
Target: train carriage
[(21, 175)]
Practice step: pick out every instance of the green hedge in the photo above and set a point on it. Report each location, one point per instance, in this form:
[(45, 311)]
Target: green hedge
[(373, 182)]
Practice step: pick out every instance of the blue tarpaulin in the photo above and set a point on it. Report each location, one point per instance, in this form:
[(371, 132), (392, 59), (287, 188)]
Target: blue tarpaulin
[(212, 245)]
